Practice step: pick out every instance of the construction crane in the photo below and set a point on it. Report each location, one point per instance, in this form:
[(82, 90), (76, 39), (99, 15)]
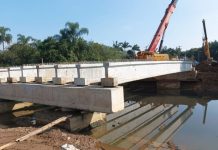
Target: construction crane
[(206, 47), (151, 53), (205, 42)]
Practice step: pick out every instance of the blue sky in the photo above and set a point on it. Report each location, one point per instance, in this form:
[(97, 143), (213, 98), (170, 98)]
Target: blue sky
[(134, 21)]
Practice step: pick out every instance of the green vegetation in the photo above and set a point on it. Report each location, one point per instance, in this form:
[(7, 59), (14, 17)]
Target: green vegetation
[(67, 46), (70, 46), (193, 53), (4, 36)]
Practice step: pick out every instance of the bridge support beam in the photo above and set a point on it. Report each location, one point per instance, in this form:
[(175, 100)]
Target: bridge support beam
[(90, 98)]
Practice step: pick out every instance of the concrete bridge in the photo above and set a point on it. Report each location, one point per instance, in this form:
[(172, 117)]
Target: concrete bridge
[(94, 87)]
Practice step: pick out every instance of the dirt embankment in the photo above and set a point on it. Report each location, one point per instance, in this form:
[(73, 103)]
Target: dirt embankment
[(208, 75), (207, 68), (50, 140)]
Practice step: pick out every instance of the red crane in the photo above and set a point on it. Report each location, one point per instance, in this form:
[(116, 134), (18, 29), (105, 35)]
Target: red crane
[(162, 27), (150, 54)]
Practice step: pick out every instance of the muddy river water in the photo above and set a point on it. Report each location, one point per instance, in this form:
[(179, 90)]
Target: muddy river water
[(163, 122), (155, 122)]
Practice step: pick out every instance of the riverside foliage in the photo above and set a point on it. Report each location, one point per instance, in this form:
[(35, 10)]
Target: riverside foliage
[(70, 46)]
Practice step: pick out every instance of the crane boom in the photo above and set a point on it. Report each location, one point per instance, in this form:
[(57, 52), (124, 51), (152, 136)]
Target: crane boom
[(205, 40), (163, 26)]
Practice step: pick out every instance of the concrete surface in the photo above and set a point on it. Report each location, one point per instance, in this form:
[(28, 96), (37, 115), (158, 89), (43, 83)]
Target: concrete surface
[(83, 121), (91, 98), (7, 106), (94, 72), (109, 82)]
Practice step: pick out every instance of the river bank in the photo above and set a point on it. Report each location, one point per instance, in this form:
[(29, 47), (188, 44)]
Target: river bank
[(50, 140)]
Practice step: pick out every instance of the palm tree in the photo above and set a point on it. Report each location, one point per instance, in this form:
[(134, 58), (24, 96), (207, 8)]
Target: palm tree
[(22, 39), (4, 36), (135, 47), (72, 31), (117, 45), (125, 45)]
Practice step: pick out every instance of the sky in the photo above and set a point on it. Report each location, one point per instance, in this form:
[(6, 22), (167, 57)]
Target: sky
[(135, 21)]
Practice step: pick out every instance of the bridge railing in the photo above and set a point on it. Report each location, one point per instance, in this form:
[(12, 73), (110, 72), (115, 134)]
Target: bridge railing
[(82, 74)]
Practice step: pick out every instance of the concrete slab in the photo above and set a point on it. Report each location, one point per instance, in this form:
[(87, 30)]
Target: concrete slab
[(91, 98)]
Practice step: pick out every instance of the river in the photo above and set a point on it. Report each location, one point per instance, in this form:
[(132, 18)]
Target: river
[(152, 122)]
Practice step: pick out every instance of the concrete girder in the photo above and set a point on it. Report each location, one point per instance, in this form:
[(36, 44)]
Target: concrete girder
[(91, 98)]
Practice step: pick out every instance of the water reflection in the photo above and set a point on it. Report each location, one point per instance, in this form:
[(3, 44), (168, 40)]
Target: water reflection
[(148, 123)]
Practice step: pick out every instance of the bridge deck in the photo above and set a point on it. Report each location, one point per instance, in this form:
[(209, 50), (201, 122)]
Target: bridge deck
[(92, 98)]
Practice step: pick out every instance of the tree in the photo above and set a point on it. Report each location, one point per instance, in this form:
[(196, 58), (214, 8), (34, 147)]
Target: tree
[(125, 45), (5, 37), (22, 39), (72, 31), (117, 45), (135, 47), (131, 54)]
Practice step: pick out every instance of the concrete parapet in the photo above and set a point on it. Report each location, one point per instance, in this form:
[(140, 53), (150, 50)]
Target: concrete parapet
[(41, 80), (65, 72), (11, 80), (59, 81), (93, 73), (132, 71), (27, 79), (109, 82), (81, 82), (15, 73), (3, 80)]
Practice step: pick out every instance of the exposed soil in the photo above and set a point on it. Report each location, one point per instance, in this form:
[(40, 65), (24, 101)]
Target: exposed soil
[(207, 68), (51, 140), (208, 75)]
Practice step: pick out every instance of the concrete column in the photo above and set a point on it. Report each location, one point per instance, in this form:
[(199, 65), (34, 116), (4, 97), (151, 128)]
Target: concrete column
[(106, 67), (39, 79), (21, 69), (107, 81), (25, 79), (37, 68), (9, 75), (11, 79), (58, 80), (80, 81)]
